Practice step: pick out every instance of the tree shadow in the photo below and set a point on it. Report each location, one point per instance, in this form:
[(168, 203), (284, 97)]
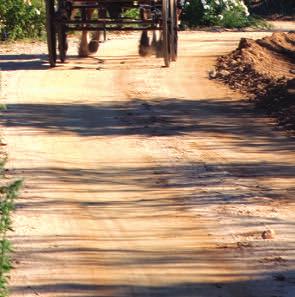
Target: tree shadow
[(23, 62), (13, 62), (260, 285), (151, 206), (237, 120), (186, 185)]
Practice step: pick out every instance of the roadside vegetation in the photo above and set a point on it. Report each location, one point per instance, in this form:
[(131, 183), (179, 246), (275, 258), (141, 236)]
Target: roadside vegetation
[(7, 196), (8, 193), (272, 8), (21, 19), (223, 13)]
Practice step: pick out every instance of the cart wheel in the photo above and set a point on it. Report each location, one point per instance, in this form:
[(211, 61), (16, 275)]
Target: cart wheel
[(166, 30), (51, 32), (62, 43), (174, 30)]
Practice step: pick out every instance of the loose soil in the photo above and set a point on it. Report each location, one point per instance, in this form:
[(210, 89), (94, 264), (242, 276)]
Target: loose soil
[(265, 68)]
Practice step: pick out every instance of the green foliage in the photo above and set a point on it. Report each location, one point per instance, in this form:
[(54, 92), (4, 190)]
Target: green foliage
[(192, 13), (234, 19), (7, 196), (132, 13), (269, 7), (224, 13), (20, 19), (258, 22), (25, 19)]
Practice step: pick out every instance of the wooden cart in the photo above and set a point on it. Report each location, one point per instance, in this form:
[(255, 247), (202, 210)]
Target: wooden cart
[(71, 15)]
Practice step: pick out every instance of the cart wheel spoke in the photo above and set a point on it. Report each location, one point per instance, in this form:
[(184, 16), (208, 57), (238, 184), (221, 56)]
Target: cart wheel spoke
[(166, 31), (174, 30)]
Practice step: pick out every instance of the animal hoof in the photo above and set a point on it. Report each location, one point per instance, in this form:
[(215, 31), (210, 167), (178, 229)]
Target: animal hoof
[(144, 40), (145, 51), (83, 53), (159, 51), (93, 46)]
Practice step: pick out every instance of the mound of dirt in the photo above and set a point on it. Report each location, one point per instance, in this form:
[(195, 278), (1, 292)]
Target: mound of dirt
[(265, 69)]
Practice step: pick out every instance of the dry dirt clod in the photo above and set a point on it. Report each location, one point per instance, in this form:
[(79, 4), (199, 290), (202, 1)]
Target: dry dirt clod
[(244, 244), (268, 234), (212, 74), (234, 62), (224, 73), (241, 68), (277, 260)]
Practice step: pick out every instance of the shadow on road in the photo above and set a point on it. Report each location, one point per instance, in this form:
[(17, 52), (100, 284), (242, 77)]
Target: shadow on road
[(40, 62), (236, 120), (146, 196), (194, 289), (23, 62), (152, 201)]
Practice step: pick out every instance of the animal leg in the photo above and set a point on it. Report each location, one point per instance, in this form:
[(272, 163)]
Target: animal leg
[(94, 43), (83, 47), (144, 44)]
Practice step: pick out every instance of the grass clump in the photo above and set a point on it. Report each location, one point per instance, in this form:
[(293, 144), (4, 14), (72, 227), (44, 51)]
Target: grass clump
[(7, 196)]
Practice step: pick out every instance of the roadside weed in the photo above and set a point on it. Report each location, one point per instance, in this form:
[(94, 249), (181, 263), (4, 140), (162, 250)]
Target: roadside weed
[(7, 196)]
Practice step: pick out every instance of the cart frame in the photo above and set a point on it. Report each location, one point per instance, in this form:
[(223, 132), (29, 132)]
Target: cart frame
[(60, 20)]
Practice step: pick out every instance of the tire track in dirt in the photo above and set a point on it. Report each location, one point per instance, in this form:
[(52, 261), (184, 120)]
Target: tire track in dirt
[(178, 150), (128, 170), (178, 153)]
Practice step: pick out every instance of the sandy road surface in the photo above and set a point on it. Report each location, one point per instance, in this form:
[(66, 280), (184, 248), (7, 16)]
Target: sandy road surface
[(145, 181)]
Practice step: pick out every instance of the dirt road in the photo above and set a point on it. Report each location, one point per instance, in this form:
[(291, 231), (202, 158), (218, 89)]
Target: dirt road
[(145, 181)]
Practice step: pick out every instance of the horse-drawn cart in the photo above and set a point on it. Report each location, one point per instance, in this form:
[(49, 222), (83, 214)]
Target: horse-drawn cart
[(65, 16)]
